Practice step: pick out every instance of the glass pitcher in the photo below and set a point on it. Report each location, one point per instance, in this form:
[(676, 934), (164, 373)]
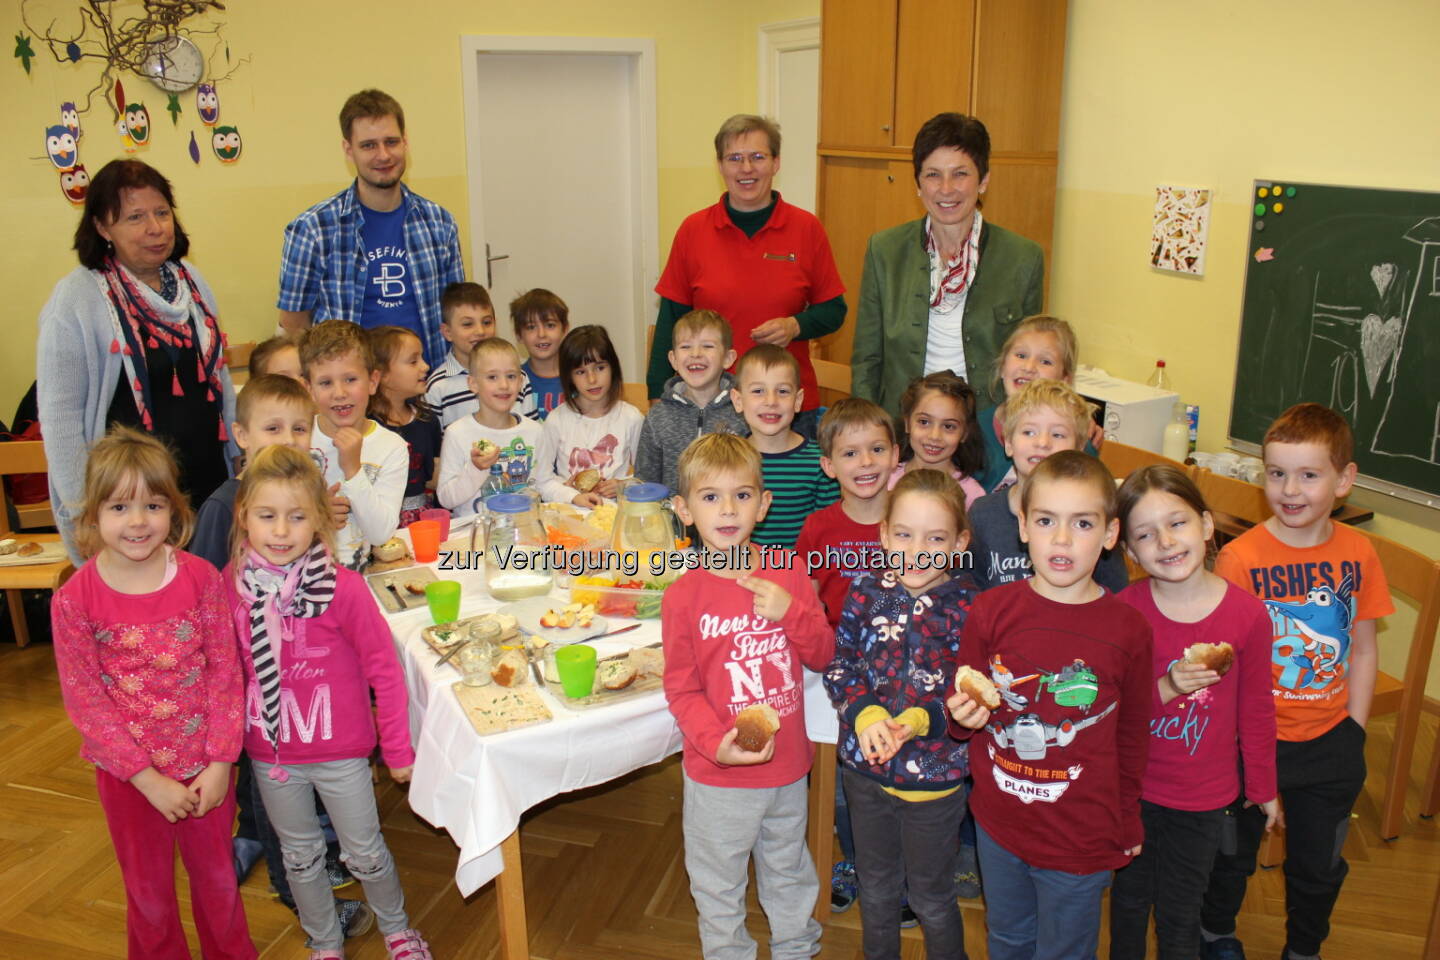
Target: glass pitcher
[(644, 522), (516, 565)]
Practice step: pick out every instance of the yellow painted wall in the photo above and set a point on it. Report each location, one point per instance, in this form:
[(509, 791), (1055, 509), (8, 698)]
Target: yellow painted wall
[(306, 57), (1218, 95)]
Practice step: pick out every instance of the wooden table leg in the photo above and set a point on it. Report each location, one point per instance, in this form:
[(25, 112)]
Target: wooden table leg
[(510, 902), (822, 823)]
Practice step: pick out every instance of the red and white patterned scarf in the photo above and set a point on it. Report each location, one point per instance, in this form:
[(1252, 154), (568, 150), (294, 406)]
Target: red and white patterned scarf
[(949, 280)]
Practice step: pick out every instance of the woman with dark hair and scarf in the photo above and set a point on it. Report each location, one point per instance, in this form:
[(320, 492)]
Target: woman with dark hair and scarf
[(131, 336)]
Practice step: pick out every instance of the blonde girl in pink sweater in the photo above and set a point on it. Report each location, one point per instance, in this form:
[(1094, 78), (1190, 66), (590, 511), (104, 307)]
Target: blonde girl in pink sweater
[(147, 661), (314, 648)]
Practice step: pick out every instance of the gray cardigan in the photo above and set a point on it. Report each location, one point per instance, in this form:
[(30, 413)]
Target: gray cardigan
[(75, 380)]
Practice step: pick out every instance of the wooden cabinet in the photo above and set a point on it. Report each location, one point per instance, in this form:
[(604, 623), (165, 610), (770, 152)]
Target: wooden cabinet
[(887, 66)]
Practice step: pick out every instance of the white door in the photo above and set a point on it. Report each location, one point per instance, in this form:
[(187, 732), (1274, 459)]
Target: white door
[(562, 189), (789, 85)]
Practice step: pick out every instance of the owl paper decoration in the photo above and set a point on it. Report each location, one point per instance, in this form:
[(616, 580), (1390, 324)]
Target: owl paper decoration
[(226, 142), (207, 103), (74, 183), (127, 143), (70, 117), (137, 122), (60, 147)]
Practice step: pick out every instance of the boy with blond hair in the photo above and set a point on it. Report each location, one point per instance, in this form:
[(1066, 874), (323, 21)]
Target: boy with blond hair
[(767, 393), (736, 631), (363, 462), (696, 401), (1043, 417), (475, 443), (1058, 764), (1325, 588)]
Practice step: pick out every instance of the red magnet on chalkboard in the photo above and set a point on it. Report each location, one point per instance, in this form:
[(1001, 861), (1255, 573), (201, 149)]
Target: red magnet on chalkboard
[(1264, 253)]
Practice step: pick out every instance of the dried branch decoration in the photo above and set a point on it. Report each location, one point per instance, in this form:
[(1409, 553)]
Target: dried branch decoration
[(125, 44)]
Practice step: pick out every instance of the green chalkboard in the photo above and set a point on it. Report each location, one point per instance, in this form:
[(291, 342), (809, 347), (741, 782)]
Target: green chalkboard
[(1342, 307)]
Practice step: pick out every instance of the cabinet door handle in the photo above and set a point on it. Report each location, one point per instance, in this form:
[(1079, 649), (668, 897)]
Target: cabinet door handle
[(885, 127), (889, 178)]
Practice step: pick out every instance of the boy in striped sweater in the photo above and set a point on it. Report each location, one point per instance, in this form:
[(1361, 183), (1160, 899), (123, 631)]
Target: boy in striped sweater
[(767, 394)]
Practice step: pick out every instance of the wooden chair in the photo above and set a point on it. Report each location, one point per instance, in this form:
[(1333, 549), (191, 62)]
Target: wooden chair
[(237, 361), (1124, 460), (637, 394), (25, 457), (1411, 575), (831, 375)]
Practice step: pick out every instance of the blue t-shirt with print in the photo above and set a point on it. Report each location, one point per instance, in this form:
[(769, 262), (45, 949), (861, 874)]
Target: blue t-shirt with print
[(389, 290), (549, 394)]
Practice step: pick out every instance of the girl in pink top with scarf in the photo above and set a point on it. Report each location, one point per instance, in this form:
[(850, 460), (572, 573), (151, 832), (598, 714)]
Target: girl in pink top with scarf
[(148, 669), (314, 647)]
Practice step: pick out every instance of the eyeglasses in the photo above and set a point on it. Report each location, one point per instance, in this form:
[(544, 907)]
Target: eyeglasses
[(757, 158)]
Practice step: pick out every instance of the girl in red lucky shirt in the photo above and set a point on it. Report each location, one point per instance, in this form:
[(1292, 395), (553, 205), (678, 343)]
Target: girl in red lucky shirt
[(1204, 721)]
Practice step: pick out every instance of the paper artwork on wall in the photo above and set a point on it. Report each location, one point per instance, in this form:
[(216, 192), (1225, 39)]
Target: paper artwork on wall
[(1180, 228), (225, 141), (207, 103)]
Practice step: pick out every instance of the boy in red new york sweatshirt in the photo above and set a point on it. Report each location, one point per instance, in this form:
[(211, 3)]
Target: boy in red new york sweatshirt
[(737, 633)]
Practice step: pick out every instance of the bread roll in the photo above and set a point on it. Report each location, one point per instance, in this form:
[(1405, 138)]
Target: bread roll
[(1213, 656), (617, 674), (509, 670), (755, 726), (648, 661), (392, 549), (977, 687), (29, 549), (8, 546)]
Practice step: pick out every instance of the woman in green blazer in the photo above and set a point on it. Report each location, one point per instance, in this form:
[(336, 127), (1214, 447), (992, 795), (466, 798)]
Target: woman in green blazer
[(943, 292)]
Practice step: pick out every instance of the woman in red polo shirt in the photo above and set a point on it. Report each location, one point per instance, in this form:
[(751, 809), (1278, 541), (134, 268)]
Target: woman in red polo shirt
[(763, 264)]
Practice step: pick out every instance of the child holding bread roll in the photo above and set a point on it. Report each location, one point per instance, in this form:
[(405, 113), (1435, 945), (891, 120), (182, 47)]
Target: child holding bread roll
[(1213, 709), (896, 650), (737, 632)]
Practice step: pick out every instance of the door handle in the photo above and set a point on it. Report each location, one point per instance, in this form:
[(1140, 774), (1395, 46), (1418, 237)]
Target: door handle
[(489, 279)]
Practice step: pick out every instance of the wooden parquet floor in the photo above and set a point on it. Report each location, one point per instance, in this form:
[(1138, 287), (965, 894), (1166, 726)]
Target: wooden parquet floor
[(604, 877)]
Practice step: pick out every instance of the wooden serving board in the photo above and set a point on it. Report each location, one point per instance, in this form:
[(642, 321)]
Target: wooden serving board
[(494, 709), (644, 683), (410, 601)]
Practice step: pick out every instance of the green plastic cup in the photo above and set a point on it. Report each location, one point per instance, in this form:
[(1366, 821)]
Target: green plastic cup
[(576, 666), (443, 596)]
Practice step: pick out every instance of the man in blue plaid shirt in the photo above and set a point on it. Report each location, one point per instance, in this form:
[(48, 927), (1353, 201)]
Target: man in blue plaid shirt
[(375, 253)]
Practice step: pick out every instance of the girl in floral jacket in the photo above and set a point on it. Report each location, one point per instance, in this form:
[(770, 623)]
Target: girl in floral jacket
[(896, 652)]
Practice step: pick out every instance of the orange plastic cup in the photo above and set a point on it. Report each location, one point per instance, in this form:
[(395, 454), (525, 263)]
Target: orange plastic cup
[(425, 540)]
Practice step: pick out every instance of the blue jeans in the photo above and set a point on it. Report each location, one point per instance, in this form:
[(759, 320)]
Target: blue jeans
[(1036, 914)]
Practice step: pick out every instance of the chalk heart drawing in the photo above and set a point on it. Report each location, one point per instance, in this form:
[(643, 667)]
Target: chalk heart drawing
[(1379, 341), (1382, 274)]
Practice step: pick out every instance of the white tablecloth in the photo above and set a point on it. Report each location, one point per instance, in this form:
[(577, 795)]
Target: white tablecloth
[(476, 788)]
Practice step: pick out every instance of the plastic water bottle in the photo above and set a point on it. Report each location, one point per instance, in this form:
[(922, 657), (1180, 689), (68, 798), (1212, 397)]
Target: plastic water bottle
[(1175, 445), (495, 483), (1160, 380)]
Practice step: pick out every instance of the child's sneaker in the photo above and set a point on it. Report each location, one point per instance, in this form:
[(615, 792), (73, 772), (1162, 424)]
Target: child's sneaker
[(1226, 948), (355, 916), (844, 888), (967, 874), (907, 916), (337, 873), (407, 945)]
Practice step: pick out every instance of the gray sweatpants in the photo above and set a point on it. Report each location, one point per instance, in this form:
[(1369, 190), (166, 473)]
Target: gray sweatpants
[(724, 827), (349, 798)]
